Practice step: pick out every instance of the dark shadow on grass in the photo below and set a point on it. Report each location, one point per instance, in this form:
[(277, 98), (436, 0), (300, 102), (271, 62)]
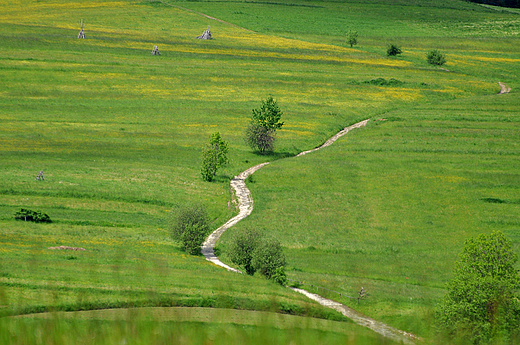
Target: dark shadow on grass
[(272, 155), (500, 201)]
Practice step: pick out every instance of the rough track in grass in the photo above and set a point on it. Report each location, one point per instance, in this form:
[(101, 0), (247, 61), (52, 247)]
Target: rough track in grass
[(245, 206), (378, 327), (245, 202), (201, 14), (504, 88)]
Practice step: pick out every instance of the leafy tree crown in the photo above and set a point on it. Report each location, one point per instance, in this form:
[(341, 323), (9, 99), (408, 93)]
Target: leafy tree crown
[(352, 37), (268, 115), (393, 50), (214, 155), (488, 256), (190, 225), (435, 57), (482, 300), (220, 147)]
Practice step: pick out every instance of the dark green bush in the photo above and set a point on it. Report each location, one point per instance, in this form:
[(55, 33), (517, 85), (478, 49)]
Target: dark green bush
[(260, 138), (190, 226), (32, 216), (251, 250), (268, 257), (435, 57), (352, 38), (243, 247), (393, 50), (384, 82)]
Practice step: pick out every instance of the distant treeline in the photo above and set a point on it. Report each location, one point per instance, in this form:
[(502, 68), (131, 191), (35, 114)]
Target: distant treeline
[(503, 3)]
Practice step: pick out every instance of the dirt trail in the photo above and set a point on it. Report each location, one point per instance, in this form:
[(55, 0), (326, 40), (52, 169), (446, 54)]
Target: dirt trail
[(245, 204), (201, 14), (245, 201), (360, 319), (336, 137)]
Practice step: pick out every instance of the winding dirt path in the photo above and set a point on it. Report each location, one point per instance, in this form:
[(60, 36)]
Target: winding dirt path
[(245, 202), (245, 206), (360, 319)]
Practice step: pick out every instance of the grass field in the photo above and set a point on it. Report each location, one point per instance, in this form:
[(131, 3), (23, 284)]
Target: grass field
[(184, 326), (118, 133), (390, 206)]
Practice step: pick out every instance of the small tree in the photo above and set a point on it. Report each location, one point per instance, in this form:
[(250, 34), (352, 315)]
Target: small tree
[(482, 299), (435, 57), (243, 247), (190, 227), (352, 37), (393, 50), (260, 134), (260, 138), (214, 155), (268, 257)]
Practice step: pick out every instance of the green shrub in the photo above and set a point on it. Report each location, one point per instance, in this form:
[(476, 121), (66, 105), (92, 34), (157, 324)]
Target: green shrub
[(393, 50), (435, 57), (268, 257), (352, 37), (260, 138), (190, 227), (32, 216), (384, 82), (251, 250), (243, 247)]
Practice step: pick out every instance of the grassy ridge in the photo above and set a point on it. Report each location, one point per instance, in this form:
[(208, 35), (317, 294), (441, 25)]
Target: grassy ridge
[(183, 326)]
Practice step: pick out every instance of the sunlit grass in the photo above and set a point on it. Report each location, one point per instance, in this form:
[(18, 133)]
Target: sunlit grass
[(388, 207), (118, 134)]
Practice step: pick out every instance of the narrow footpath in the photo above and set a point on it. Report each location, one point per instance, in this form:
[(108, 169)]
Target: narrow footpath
[(245, 204)]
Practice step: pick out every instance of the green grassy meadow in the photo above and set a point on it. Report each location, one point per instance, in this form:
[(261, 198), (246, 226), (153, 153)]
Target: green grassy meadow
[(184, 326), (118, 133)]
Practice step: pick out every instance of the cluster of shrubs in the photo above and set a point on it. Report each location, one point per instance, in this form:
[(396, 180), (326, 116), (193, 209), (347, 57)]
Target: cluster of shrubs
[(32, 216), (257, 253), (250, 249), (384, 82)]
